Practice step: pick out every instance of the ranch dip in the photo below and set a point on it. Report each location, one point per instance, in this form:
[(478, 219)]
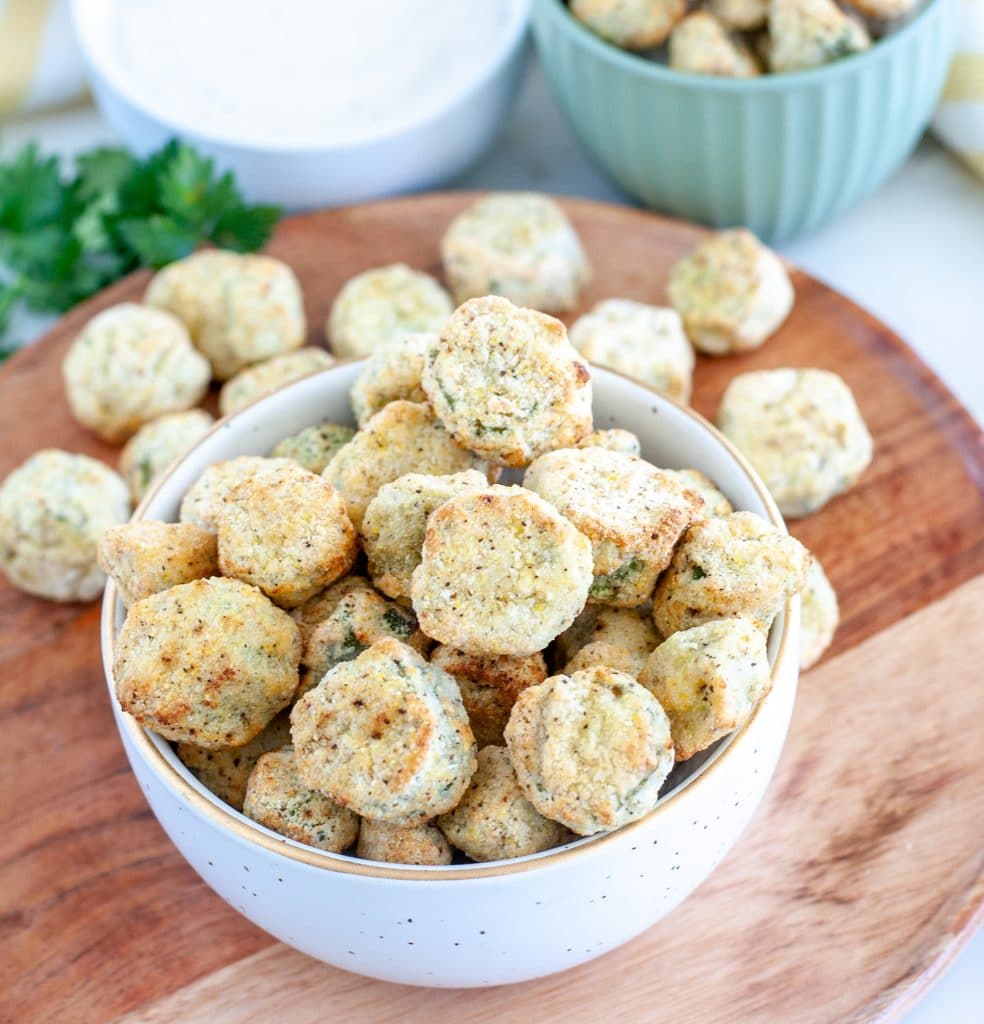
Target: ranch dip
[(302, 72)]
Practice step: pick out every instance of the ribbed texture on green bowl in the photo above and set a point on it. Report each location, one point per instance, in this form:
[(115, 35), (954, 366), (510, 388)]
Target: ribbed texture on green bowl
[(781, 154)]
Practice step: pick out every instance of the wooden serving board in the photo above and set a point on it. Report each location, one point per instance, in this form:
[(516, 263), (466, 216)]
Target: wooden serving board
[(856, 883)]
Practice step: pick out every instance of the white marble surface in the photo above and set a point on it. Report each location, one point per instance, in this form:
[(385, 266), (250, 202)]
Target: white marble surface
[(913, 254)]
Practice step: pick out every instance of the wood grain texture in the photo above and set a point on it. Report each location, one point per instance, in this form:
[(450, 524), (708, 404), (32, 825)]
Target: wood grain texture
[(860, 876)]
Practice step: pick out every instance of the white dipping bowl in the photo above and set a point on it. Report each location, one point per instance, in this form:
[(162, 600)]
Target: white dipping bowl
[(419, 154), (472, 924)]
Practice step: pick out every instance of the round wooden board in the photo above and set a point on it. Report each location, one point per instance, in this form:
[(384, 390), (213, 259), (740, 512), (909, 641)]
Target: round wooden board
[(857, 881)]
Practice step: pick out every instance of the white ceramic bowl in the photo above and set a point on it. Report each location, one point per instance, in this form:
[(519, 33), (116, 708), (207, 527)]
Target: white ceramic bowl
[(418, 155), (481, 924)]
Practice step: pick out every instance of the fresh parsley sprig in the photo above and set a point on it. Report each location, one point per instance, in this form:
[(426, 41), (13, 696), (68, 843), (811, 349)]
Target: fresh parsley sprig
[(65, 236)]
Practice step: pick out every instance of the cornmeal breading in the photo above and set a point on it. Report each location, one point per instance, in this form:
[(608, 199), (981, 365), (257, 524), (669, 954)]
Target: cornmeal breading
[(494, 820), (502, 573), (209, 662), (631, 24), (261, 379), (277, 798), (157, 444), (801, 430), (130, 365), (239, 308), (731, 291), (403, 437), (507, 383), (489, 686), (286, 531), (737, 565), (146, 557), (390, 375), (519, 245), (378, 307), (53, 509), (590, 750), (645, 342), (395, 521), (403, 844), (632, 513), (708, 680), (387, 735)]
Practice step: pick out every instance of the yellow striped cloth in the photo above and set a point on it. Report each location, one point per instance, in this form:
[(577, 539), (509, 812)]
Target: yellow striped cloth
[(40, 63), (959, 122)]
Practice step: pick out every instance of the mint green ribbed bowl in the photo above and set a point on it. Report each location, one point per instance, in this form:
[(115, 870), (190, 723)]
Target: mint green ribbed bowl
[(781, 154)]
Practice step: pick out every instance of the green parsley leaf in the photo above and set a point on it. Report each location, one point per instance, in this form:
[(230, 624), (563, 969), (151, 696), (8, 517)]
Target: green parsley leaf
[(64, 237)]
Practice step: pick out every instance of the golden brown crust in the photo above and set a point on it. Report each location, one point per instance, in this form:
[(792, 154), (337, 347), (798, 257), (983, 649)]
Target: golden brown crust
[(286, 531), (209, 662), (494, 820), (736, 565), (507, 383), (632, 513), (489, 686), (501, 573), (590, 750), (146, 557), (277, 798), (401, 844), (387, 735), (226, 771)]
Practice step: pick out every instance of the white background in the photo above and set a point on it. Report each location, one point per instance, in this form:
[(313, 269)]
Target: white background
[(913, 254)]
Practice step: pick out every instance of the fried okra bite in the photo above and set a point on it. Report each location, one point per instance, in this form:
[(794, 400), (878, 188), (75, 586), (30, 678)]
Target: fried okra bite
[(819, 616), (801, 430), (314, 447), (205, 499), (387, 735), (494, 820), (355, 622), (737, 565), (489, 686), (708, 680), (391, 375), (629, 629), (715, 503), (631, 24), (379, 307), (743, 15), (403, 437), (622, 659), (507, 383), (632, 513), (53, 509), (615, 440), (226, 771), (641, 341), (130, 365), (157, 444), (239, 308), (286, 531), (261, 379), (702, 45), (519, 245), (146, 557), (209, 662), (731, 291), (277, 798), (395, 521), (403, 844), (501, 573), (809, 33), (590, 750)]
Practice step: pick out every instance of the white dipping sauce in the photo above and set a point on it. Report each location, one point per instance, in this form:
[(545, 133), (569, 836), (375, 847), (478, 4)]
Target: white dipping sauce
[(302, 72)]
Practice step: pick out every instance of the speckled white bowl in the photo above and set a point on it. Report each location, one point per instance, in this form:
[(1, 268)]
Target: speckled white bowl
[(482, 924)]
